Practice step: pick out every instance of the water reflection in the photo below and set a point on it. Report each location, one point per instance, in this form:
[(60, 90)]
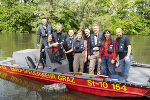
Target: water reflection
[(141, 48), (24, 88), (11, 42), (18, 87)]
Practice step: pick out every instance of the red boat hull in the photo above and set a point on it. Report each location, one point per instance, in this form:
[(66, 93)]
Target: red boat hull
[(87, 85)]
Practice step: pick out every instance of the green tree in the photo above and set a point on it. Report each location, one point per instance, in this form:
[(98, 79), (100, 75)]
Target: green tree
[(131, 15), (16, 16)]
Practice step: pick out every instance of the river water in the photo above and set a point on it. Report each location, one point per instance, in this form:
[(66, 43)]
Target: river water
[(14, 87)]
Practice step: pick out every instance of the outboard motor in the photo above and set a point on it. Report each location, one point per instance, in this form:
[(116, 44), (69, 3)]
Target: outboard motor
[(30, 62), (56, 59)]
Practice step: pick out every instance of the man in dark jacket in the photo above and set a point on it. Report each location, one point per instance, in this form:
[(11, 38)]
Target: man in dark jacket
[(59, 37), (88, 39), (68, 48), (123, 48), (43, 31)]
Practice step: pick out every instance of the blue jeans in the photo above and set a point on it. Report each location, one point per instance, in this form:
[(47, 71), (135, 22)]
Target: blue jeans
[(125, 65), (107, 68)]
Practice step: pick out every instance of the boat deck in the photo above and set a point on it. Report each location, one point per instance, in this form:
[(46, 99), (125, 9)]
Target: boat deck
[(139, 74)]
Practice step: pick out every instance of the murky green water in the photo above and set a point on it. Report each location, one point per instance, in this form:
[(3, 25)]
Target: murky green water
[(21, 88), (10, 42)]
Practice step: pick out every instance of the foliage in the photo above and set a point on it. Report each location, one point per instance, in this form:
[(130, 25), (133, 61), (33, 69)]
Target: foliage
[(131, 15), (16, 16)]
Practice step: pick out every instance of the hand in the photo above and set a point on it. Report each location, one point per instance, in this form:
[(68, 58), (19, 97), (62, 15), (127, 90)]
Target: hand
[(85, 60), (89, 57), (61, 43), (46, 46), (43, 50), (56, 43), (112, 61), (117, 64), (64, 51), (126, 58), (38, 44), (99, 60)]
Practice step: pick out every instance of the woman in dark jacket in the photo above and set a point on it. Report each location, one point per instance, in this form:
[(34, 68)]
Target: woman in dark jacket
[(46, 44)]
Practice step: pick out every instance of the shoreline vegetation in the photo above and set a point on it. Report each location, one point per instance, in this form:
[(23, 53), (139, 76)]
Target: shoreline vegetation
[(133, 16)]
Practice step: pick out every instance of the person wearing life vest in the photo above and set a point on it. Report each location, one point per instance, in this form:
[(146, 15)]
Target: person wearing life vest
[(123, 49), (50, 42), (107, 54), (80, 52), (46, 44), (94, 49), (88, 39), (68, 47), (43, 31), (59, 36)]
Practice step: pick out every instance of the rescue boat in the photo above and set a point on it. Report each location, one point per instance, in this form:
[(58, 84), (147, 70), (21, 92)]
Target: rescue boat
[(57, 71)]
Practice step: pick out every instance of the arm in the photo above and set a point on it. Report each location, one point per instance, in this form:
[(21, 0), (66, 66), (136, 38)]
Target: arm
[(42, 48), (54, 45), (99, 60), (51, 30), (85, 48), (70, 49), (89, 47), (114, 53), (128, 53), (54, 36), (129, 50), (114, 50), (127, 42), (100, 53), (38, 36), (65, 45)]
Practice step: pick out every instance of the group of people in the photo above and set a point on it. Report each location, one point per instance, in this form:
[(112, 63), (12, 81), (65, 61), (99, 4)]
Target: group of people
[(94, 53)]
